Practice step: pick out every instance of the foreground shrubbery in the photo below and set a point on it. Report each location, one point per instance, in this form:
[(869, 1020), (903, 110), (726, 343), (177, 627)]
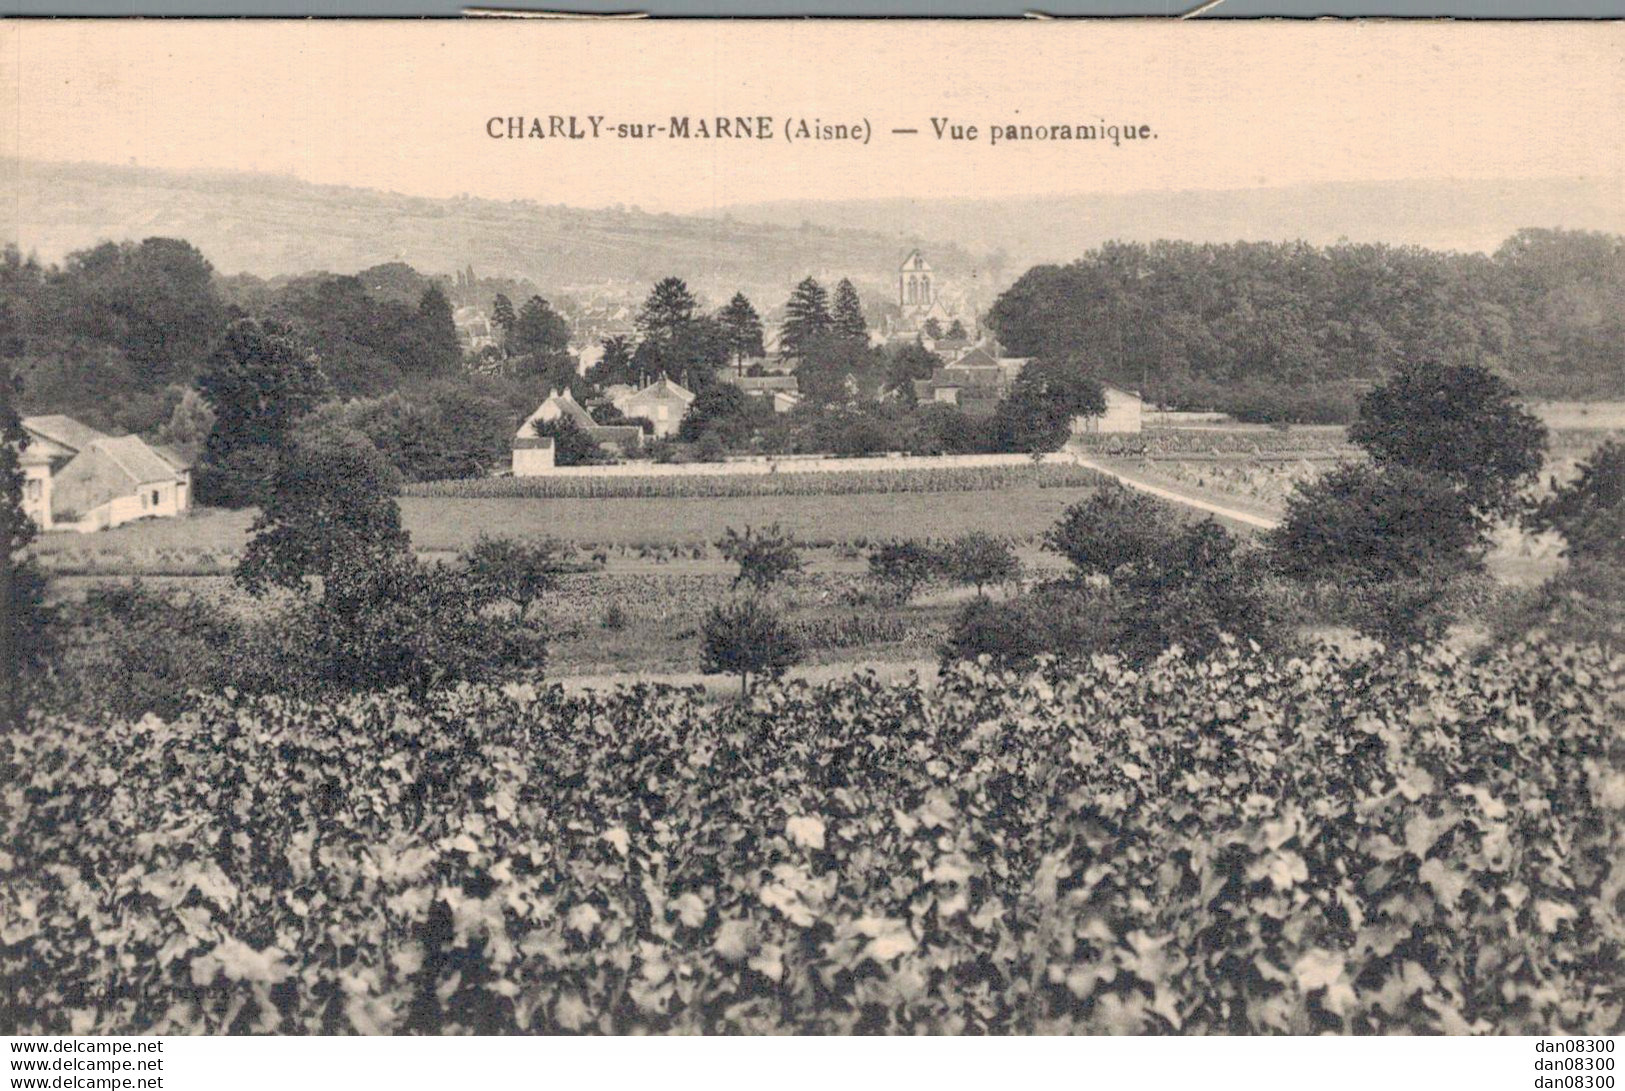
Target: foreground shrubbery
[(1244, 844)]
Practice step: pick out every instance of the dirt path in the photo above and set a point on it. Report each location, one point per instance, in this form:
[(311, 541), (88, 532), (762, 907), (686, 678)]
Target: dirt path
[(724, 686), (1183, 497)]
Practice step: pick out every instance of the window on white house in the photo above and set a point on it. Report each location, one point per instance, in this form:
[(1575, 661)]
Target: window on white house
[(34, 489), (154, 497)]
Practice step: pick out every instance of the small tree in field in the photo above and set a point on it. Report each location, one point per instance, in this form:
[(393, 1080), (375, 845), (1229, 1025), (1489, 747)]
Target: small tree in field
[(1457, 422), (904, 567), (403, 622), (514, 571), (765, 557), (980, 559), (1115, 526), (748, 638)]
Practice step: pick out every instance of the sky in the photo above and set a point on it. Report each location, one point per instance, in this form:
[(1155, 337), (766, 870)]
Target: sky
[(405, 107)]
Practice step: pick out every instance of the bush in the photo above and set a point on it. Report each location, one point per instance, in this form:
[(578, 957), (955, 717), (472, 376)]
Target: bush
[(1115, 526), (1368, 525), (1584, 604), (1589, 512), (1007, 633), (128, 650), (1402, 612), (400, 622), (765, 557), (747, 638), (332, 506), (904, 567), (1248, 845), (1198, 592)]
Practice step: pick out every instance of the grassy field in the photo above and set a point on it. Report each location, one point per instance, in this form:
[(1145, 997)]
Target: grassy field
[(440, 525)]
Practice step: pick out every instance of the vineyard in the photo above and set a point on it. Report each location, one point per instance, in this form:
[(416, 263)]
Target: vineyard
[(1304, 441), (1267, 484), (1245, 844), (820, 483)]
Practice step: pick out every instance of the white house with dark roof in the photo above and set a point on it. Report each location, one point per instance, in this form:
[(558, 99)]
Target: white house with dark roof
[(663, 403), (533, 457), (1124, 414), (53, 442), (118, 479)]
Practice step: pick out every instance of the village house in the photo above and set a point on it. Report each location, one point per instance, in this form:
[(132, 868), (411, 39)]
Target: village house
[(783, 390), (118, 479), (532, 455), (53, 441), (976, 382), (980, 379), (663, 403), (561, 403), (74, 477)]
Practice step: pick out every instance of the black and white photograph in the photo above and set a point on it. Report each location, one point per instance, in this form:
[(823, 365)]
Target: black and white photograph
[(623, 527)]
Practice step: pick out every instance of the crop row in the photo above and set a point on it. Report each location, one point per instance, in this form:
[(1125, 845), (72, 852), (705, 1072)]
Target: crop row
[(1318, 442), (812, 483)]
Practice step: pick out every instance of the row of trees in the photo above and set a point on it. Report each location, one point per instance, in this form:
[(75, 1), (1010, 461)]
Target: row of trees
[(1393, 545), (1197, 323), (116, 334)]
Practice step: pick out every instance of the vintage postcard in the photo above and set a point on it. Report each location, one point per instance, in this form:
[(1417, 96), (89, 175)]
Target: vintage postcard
[(848, 528)]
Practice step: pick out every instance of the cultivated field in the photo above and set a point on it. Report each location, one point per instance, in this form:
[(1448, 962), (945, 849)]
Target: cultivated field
[(440, 525), (1241, 845)]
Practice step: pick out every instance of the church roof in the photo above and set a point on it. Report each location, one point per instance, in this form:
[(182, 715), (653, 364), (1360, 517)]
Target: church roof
[(914, 263)]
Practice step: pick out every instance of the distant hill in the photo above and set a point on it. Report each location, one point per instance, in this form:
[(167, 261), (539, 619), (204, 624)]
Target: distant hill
[(1442, 215), (271, 225)]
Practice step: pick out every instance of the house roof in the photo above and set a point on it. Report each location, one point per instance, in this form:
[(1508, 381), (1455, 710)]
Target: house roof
[(569, 407), (63, 431), (976, 357), (141, 463), (174, 456), (663, 388), (750, 383)]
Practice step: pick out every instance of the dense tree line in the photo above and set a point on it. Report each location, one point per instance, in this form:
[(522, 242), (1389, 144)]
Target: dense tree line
[(1202, 323)]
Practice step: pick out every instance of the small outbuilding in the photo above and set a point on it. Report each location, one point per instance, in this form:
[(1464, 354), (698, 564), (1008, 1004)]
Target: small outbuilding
[(1124, 414), (118, 479), (532, 455)]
